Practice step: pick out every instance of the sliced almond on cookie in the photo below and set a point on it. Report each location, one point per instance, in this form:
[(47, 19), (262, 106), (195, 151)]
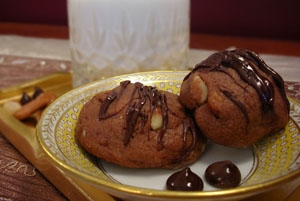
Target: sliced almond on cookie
[(199, 90), (156, 120)]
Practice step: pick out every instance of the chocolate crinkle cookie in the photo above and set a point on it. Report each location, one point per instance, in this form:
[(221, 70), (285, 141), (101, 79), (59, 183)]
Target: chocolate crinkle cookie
[(139, 126), (236, 98)]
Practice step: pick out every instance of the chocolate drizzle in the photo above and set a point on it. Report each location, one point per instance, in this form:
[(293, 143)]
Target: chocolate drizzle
[(249, 66), (162, 131), (136, 113), (238, 104), (270, 72), (112, 97)]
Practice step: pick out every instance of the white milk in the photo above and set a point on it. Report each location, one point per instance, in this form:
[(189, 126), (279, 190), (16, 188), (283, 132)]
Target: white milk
[(113, 37)]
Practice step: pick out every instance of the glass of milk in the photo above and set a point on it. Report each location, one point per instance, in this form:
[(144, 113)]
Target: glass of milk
[(115, 37)]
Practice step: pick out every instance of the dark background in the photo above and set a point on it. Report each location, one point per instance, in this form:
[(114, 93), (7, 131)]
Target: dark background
[(277, 19)]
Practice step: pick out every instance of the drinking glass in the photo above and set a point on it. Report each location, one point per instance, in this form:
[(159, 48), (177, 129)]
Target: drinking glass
[(114, 37)]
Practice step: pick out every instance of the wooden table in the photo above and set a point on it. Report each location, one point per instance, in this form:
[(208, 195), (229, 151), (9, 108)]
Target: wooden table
[(24, 182), (197, 40)]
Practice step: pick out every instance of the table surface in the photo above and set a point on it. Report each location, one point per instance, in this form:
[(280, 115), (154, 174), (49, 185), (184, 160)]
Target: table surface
[(21, 180), (197, 40)]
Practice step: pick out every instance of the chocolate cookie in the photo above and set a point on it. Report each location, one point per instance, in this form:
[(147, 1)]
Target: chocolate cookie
[(138, 126), (236, 98)]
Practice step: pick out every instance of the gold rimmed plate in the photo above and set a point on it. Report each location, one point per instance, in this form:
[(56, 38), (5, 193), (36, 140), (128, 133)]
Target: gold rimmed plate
[(272, 161)]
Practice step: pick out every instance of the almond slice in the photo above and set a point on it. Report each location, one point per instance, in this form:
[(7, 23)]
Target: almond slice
[(156, 120), (199, 90)]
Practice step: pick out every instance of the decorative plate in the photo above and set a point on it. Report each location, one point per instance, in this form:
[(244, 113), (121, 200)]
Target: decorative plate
[(272, 161)]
